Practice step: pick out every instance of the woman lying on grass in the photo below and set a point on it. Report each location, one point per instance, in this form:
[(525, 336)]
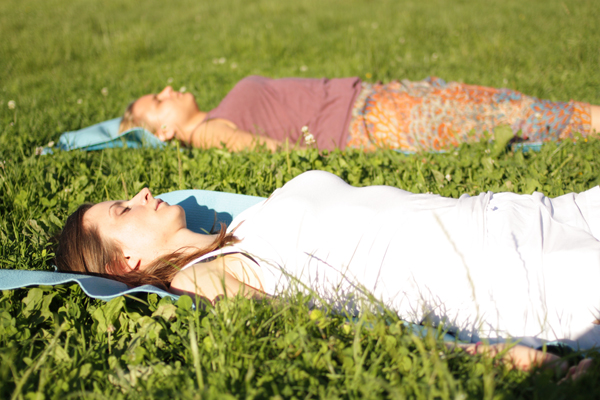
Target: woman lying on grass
[(339, 113), (492, 266)]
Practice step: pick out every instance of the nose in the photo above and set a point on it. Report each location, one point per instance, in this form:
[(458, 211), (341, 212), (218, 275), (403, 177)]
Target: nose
[(143, 197), (165, 93)]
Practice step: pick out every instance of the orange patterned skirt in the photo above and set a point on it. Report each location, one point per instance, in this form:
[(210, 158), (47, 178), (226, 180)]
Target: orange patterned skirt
[(432, 115)]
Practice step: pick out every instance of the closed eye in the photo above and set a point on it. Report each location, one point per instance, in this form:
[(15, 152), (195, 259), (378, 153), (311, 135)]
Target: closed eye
[(125, 209)]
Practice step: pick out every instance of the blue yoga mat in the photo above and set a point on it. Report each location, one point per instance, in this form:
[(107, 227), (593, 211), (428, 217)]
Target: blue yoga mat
[(203, 209), (106, 135)]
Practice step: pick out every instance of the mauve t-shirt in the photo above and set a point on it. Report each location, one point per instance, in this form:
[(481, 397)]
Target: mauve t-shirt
[(279, 108)]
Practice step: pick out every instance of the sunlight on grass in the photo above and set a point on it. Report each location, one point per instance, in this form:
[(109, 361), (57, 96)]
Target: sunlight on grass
[(65, 65)]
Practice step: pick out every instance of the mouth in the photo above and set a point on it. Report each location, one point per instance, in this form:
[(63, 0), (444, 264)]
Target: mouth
[(158, 203)]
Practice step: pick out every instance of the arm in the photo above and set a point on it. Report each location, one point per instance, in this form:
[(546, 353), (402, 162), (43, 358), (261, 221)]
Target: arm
[(218, 132), (213, 279), (525, 358), (515, 356)]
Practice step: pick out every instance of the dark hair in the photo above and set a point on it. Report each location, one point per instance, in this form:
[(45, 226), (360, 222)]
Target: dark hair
[(82, 249)]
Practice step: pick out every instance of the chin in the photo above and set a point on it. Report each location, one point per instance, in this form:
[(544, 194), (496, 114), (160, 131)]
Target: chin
[(180, 212), (190, 97)]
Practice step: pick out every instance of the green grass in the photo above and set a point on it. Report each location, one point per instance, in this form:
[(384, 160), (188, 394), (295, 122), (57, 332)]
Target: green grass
[(56, 56)]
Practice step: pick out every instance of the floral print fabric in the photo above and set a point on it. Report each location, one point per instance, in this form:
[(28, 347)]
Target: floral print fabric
[(432, 115)]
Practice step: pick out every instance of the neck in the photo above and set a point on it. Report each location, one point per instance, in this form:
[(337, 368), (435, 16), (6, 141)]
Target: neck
[(183, 240), (190, 241), (186, 132)]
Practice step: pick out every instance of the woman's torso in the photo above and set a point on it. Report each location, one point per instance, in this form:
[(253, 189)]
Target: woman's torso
[(280, 108), (486, 264)]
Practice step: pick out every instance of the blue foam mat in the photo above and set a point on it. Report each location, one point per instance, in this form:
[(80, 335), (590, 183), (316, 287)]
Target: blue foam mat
[(106, 135), (204, 209)]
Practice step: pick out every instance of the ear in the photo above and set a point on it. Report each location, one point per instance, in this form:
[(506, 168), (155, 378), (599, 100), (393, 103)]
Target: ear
[(123, 265), (119, 266), (133, 263)]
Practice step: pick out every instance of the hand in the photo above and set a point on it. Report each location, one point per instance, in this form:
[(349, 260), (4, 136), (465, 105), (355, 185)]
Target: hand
[(517, 356), (577, 371)]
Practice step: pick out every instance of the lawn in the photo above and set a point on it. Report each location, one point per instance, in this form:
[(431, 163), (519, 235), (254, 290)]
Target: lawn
[(65, 65)]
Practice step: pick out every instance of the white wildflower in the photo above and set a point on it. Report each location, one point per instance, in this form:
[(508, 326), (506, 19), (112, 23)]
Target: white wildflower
[(12, 104), (233, 65), (222, 60), (79, 101), (303, 68), (104, 91), (434, 56), (448, 177), (51, 143), (39, 150), (309, 138), (182, 89)]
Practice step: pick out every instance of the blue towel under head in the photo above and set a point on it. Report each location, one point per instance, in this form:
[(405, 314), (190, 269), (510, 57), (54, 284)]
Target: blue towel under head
[(105, 135)]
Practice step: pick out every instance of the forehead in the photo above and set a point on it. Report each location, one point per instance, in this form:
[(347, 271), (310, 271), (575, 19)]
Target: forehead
[(98, 213), (144, 105)]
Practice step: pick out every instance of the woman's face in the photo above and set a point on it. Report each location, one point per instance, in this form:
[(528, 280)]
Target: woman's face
[(166, 111), (143, 226)]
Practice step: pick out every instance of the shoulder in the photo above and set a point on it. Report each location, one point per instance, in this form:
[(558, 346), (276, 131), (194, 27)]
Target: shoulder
[(316, 178), (214, 278), (245, 93), (204, 277), (252, 81)]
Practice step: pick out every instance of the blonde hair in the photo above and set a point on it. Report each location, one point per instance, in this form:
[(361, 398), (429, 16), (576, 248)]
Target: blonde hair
[(129, 121)]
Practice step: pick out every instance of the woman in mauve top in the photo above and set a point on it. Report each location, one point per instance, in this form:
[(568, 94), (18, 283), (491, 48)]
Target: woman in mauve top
[(345, 112)]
